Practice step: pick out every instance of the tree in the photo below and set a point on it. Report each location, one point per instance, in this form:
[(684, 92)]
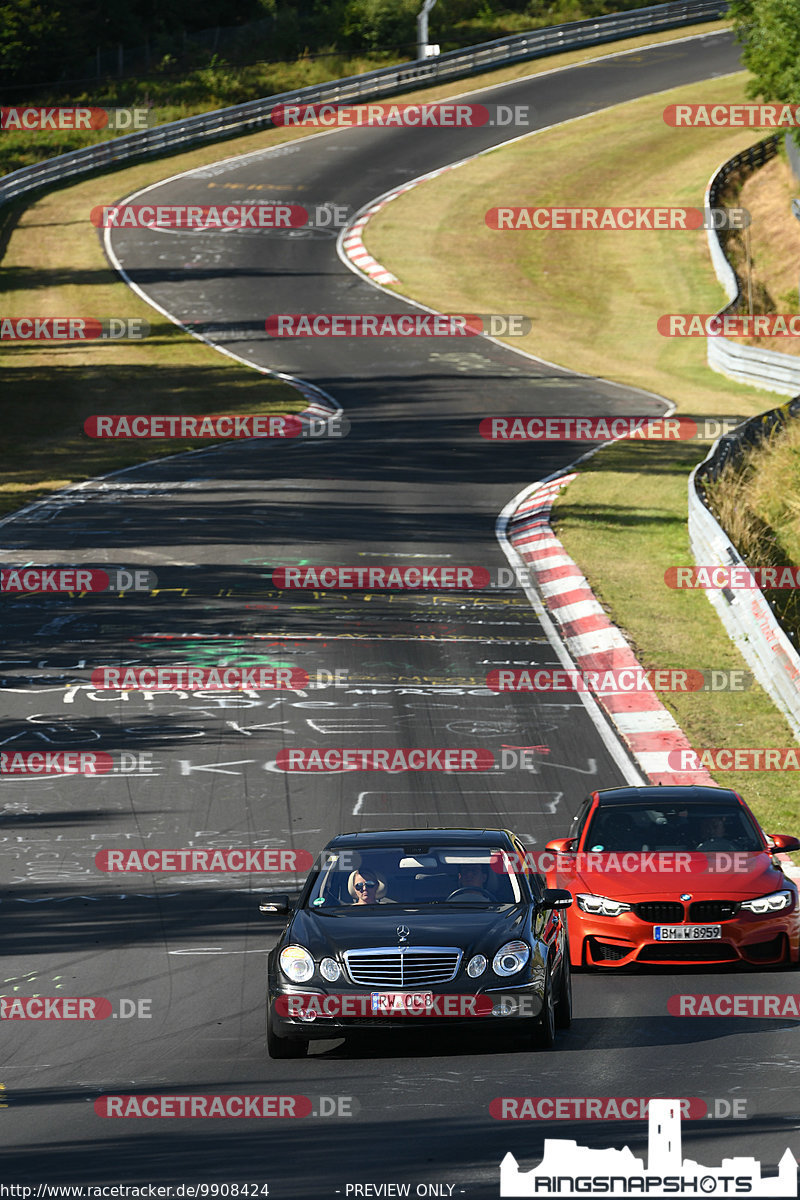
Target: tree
[(770, 32)]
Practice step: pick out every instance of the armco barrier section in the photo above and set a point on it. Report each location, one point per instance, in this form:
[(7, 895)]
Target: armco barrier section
[(767, 369), (750, 622), (255, 114)]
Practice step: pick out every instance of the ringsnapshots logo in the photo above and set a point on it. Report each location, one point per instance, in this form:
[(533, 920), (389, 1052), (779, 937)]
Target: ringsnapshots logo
[(75, 580), (617, 680), (48, 119), (616, 219), (404, 115), (567, 1169), (397, 325), (73, 329), (604, 429), (151, 427)]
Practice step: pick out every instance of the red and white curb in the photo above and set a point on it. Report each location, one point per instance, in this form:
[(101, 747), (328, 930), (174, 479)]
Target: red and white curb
[(356, 251), (649, 731), (352, 242)]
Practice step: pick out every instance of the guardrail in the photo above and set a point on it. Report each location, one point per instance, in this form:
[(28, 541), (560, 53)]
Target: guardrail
[(768, 369), (746, 614), (386, 81)]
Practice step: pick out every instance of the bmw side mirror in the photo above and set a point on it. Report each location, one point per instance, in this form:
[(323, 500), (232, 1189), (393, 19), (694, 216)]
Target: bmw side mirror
[(784, 841), (274, 904), (562, 845), (556, 898)]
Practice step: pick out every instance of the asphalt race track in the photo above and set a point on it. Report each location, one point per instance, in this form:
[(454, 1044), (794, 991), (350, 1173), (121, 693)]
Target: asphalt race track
[(411, 483)]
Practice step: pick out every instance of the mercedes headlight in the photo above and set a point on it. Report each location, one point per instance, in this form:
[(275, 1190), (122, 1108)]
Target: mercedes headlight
[(511, 958), (476, 966), (329, 969), (601, 905), (296, 963)]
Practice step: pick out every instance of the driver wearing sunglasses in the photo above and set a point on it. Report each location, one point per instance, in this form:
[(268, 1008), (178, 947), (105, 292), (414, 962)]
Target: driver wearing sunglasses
[(366, 886)]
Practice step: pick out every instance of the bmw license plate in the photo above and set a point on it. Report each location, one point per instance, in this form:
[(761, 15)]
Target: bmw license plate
[(687, 933), (387, 1004)]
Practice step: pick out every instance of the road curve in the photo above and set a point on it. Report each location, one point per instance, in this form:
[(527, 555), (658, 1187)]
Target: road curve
[(412, 482)]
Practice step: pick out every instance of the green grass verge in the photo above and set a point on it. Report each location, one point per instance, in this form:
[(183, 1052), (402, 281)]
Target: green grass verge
[(594, 298)]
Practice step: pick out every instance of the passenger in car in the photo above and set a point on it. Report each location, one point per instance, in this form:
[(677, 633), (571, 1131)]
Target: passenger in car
[(367, 886)]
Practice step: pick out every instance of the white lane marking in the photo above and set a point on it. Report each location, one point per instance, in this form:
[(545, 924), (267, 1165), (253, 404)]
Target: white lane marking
[(215, 950), (608, 736)]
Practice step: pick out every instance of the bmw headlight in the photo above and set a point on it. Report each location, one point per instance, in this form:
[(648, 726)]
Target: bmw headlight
[(511, 958), (476, 966), (601, 905), (774, 902), (329, 969), (296, 963)]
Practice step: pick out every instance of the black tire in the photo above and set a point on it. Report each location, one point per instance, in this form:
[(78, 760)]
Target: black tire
[(564, 1001), (542, 1034), (281, 1047)]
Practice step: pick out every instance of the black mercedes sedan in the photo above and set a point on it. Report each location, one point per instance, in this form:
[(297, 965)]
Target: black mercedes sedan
[(435, 927)]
